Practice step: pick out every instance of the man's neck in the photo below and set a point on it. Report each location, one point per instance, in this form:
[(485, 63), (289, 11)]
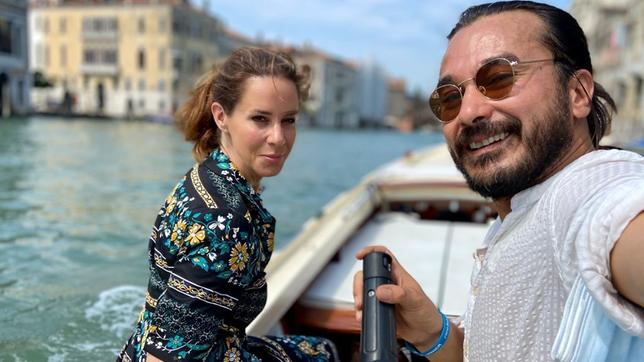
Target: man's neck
[(503, 206)]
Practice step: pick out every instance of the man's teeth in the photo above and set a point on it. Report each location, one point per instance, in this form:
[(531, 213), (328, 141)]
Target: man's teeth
[(487, 141)]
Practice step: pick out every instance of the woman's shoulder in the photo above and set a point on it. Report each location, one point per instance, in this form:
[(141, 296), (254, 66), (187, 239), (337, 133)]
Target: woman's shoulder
[(210, 191)]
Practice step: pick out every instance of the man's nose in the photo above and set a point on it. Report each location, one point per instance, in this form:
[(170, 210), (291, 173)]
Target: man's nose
[(474, 105)]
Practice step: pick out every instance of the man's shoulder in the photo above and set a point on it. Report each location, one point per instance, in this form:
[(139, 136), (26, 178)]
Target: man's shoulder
[(603, 166), (596, 177)]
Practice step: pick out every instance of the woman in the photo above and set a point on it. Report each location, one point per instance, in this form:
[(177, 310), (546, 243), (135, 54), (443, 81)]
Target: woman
[(213, 238)]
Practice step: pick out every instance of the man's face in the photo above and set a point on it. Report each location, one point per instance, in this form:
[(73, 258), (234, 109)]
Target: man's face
[(505, 146)]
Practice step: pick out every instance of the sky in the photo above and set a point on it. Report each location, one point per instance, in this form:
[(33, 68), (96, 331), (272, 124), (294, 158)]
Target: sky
[(405, 37)]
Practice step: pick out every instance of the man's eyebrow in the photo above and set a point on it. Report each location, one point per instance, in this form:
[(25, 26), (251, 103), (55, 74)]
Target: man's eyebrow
[(445, 80), (448, 79)]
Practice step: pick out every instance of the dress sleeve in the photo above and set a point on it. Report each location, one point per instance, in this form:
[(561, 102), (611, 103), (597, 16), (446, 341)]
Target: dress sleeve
[(214, 264)]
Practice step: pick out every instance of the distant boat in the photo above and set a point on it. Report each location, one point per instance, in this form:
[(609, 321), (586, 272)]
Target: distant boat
[(418, 206)]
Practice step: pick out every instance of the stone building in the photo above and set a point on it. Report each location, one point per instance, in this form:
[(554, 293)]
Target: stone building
[(120, 58), (615, 32), (14, 53)]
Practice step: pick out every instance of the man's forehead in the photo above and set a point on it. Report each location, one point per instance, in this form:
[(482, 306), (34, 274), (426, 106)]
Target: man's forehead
[(511, 32)]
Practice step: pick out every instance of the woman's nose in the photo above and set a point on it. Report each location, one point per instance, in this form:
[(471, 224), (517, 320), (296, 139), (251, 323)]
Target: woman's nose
[(276, 135)]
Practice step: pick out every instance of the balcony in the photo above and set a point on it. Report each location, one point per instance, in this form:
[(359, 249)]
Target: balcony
[(99, 69)]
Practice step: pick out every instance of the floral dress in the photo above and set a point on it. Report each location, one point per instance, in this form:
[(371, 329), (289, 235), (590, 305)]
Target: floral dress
[(208, 250)]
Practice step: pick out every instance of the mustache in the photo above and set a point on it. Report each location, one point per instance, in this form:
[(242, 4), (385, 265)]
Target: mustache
[(486, 128)]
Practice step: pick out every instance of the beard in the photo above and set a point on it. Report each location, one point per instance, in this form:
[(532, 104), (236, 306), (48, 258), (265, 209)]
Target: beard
[(545, 144)]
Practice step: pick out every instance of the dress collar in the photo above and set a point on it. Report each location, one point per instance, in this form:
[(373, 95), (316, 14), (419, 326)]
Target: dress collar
[(227, 169), (220, 163)]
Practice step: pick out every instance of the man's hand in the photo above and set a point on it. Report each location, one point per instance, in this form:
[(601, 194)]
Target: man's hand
[(417, 319)]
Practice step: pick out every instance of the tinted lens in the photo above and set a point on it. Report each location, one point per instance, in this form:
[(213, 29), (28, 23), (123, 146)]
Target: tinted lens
[(445, 102), (495, 78)]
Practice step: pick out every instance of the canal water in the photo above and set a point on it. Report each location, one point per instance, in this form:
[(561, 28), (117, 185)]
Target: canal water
[(77, 202)]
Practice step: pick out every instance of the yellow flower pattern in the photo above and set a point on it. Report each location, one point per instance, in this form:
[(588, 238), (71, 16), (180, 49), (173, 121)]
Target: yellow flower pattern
[(238, 257), (196, 234)]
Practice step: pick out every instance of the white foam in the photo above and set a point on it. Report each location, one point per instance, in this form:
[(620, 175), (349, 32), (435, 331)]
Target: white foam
[(117, 308)]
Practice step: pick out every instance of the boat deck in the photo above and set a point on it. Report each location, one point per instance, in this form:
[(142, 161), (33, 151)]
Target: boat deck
[(437, 253)]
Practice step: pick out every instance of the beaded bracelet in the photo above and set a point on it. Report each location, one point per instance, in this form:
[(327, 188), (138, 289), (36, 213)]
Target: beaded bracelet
[(438, 345)]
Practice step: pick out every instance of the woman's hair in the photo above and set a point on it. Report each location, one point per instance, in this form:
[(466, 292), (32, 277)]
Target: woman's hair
[(225, 84), (567, 42)]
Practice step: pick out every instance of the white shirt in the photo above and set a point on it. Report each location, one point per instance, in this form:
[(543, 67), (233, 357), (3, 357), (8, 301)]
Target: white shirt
[(557, 231)]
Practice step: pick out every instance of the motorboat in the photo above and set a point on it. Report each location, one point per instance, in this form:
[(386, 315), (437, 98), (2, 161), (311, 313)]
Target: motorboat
[(418, 206)]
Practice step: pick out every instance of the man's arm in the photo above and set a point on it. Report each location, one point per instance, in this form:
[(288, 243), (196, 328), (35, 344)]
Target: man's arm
[(626, 262)]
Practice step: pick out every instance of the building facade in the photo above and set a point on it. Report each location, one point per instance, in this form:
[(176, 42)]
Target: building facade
[(333, 97), (15, 82), (120, 58), (373, 93), (615, 32)]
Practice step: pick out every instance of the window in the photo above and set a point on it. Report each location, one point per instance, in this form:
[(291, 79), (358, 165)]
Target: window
[(63, 55), (21, 92), (99, 25), (141, 25), (62, 25), (163, 25), (161, 85), (10, 37), (141, 84), (128, 84), (141, 59), (162, 57), (177, 63), (161, 106), (197, 62), (17, 41), (39, 55), (5, 36), (110, 56), (90, 56), (46, 56)]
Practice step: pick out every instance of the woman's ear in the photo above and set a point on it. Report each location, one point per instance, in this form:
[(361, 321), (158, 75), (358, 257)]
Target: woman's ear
[(581, 90), (219, 115)]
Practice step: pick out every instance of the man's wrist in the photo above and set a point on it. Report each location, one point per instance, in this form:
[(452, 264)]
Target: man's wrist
[(434, 340)]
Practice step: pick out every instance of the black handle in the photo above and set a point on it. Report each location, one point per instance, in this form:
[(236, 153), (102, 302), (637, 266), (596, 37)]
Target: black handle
[(378, 338)]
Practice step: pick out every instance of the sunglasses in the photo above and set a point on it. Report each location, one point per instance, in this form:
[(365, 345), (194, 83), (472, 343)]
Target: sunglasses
[(494, 80)]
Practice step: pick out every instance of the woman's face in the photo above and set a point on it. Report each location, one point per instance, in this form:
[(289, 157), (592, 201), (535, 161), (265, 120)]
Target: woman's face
[(259, 133)]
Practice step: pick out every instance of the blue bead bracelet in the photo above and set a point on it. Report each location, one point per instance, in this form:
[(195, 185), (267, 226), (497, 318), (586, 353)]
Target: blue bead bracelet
[(438, 345)]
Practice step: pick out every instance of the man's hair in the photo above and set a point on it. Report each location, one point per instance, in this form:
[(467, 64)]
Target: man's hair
[(567, 42)]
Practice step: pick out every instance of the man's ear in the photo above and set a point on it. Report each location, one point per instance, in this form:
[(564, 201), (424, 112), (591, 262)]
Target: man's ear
[(581, 90), (219, 115)]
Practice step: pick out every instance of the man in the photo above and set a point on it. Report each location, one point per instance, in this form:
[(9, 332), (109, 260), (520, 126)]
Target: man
[(522, 118)]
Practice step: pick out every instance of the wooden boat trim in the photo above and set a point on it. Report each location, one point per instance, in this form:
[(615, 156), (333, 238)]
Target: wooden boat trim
[(294, 268)]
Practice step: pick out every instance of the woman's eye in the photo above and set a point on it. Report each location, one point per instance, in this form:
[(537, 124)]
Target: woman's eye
[(289, 120), (259, 118)]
